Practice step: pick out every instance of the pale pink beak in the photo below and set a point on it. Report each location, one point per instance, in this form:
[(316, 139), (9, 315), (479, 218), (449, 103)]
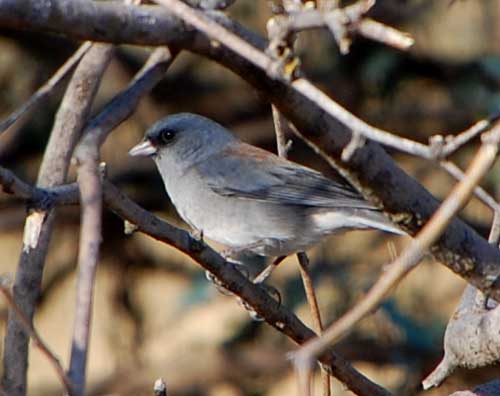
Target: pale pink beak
[(143, 149)]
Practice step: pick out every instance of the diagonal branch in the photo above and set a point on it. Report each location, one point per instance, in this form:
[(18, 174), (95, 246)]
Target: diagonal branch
[(256, 297), (46, 88), (37, 340), (410, 257)]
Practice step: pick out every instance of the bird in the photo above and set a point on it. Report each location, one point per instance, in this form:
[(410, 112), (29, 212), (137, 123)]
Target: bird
[(246, 198)]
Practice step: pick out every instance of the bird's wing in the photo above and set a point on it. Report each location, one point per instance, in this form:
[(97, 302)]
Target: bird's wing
[(247, 172)]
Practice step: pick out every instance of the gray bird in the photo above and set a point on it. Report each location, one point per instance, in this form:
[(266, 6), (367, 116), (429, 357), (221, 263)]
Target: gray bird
[(246, 198)]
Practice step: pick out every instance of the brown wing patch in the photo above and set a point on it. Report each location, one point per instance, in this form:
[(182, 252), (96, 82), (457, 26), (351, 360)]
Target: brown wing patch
[(244, 150)]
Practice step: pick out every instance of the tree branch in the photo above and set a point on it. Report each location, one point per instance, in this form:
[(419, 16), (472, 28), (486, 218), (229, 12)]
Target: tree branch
[(46, 88), (37, 340), (411, 256)]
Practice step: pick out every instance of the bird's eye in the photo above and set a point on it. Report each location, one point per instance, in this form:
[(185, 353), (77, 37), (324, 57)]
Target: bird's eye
[(166, 136)]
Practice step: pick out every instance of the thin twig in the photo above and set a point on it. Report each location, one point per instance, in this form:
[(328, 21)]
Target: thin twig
[(279, 130), (35, 337), (479, 192), (384, 34), (66, 194), (494, 236), (46, 88), (411, 256), (453, 142), (88, 256), (305, 273), (279, 121), (342, 22)]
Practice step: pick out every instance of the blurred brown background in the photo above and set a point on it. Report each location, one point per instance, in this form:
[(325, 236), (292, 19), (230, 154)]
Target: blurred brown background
[(155, 315)]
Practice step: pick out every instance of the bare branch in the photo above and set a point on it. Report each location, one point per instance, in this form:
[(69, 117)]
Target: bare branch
[(316, 316), (483, 196), (370, 169), (411, 256), (452, 143), (343, 23), (37, 340), (253, 295), (472, 331), (279, 130), (217, 32), (39, 198), (88, 256), (46, 88)]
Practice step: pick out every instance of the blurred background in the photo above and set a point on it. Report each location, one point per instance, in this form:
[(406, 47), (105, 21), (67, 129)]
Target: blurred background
[(155, 314)]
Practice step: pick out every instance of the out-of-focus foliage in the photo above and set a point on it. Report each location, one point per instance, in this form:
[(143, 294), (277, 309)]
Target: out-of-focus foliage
[(155, 314)]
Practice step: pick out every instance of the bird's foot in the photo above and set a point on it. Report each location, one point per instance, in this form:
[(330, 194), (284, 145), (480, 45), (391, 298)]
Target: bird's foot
[(219, 286), (254, 315)]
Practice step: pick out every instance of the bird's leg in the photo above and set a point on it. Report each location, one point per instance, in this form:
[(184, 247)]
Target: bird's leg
[(231, 254), (264, 274), (196, 243), (197, 234)]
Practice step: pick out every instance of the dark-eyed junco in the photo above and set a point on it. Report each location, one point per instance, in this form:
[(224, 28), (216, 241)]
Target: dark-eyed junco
[(246, 198)]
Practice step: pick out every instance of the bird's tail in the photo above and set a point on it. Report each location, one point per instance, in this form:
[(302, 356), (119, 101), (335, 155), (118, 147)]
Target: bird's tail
[(352, 219)]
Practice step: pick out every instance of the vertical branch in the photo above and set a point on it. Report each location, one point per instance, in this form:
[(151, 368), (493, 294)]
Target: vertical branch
[(89, 182), (68, 124), (87, 157), (283, 146), (314, 307)]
